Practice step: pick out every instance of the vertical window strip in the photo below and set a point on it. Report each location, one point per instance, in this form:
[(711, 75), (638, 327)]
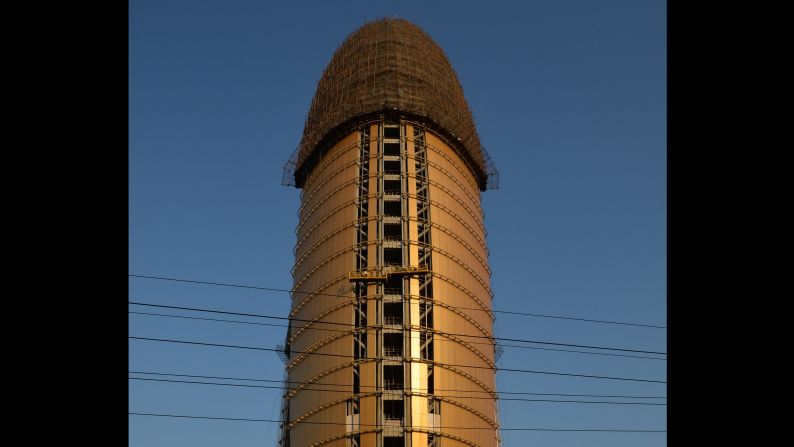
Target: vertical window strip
[(360, 288)]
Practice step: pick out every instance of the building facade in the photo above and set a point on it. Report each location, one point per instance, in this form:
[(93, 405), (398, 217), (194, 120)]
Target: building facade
[(390, 340)]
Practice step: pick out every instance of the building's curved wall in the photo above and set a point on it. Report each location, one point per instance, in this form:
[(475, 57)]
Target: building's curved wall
[(323, 255), (321, 338), (461, 281)]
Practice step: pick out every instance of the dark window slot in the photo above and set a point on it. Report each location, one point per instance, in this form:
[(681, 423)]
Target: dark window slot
[(391, 132), (392, 186), (392, 256), (392, 208), (392, 313), (393, 344), (393, 377), (430, 381), (393, 410), (391, 148), (393, 286), (392, 232), (391, 166)]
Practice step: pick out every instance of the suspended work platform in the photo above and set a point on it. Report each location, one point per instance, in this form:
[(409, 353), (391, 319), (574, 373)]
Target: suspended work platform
[(382, 274)]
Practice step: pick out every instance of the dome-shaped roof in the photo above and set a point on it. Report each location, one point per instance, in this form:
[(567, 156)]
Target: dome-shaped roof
[(389, 65)]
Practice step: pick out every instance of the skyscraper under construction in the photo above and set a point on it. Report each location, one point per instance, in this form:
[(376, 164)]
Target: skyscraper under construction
[(390, 339)]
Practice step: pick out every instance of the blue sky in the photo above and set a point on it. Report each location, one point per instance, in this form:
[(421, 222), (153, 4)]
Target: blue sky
[(569, 98)]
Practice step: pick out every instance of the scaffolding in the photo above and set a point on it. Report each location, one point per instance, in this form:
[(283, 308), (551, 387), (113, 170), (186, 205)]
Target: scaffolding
[(389, 66)]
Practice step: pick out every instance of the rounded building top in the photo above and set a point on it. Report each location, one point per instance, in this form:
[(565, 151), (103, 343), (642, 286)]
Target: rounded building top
[(389, 66)]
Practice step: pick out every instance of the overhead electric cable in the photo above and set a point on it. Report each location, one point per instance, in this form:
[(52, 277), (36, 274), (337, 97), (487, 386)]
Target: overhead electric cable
[(440, 340), (256, 348), (372, 425), (197, 309), (242, 385), (347, 385), (274, 289)]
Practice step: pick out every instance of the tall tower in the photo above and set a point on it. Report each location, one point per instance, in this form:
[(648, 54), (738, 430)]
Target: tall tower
[(390, 342)]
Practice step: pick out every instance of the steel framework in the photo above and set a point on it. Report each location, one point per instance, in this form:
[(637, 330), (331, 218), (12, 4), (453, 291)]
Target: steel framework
[(389, 65)]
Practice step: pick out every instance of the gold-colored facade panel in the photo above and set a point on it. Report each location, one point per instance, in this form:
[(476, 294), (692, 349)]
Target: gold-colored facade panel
[(449, 158), (344, 150), (472, 306), (329, 249), (459, 226), (451, 204)]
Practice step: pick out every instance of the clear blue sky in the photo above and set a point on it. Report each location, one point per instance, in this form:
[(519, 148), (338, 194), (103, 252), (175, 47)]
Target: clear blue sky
[(570, 100)]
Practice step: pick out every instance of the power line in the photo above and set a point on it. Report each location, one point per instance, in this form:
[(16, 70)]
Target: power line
[(425, 428), (273, 289), (197, 309), (366, 386), (449, 341), (256, 348), (446, 396)]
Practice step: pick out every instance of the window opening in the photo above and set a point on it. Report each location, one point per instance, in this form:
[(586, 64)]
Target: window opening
[(392, 186), (391, 148), (391, 166), (393, 377), (392, 232), (391, 132), (393, 313), (393, 344), (392, 208), (393, 410), (393, 256), (393, 285)]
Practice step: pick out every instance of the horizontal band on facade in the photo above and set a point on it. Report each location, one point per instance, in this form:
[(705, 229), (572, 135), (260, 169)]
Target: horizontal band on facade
[(477, 216), (306, 352), (377, 218), (436, 204), (446, 279), (403, 242), (292, 392), (407, 429), (308, 192), (434, 301), (344, 278), (345, 399), (306, 196), (353, 223)]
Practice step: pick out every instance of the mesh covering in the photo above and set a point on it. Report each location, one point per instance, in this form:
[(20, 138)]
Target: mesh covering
[(389, 66)]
